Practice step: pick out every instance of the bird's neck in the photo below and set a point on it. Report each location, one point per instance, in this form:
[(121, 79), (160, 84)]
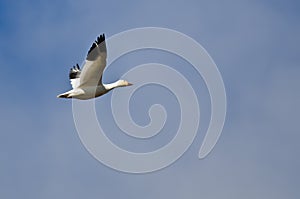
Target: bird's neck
[(112, 85)]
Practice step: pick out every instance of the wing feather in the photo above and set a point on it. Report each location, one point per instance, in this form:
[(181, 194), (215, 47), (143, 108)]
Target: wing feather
[(91, 74), (74, 76)]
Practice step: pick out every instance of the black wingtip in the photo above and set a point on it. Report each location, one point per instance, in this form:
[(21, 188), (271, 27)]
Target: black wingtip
[(98, 41), (74, 72)]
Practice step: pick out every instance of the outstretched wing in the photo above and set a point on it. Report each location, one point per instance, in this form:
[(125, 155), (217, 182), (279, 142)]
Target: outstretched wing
[(74, 76), (95, 63)]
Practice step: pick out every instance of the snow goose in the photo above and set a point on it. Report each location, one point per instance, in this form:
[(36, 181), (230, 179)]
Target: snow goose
[(87, 83)]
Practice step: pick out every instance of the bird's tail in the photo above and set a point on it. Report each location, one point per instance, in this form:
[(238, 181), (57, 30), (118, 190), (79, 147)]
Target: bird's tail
[(64, 95)]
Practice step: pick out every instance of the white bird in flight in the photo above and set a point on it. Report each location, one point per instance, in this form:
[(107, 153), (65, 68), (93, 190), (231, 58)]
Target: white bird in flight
[(87, 83)]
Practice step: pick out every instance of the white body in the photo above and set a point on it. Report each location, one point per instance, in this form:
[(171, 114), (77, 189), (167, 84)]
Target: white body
[(90, 92)]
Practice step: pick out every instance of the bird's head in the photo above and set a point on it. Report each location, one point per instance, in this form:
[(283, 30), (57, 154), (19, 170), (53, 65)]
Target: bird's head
[(122, 83)]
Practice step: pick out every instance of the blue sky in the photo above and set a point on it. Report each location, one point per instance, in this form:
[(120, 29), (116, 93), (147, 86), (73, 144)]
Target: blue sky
[(255, 45)]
